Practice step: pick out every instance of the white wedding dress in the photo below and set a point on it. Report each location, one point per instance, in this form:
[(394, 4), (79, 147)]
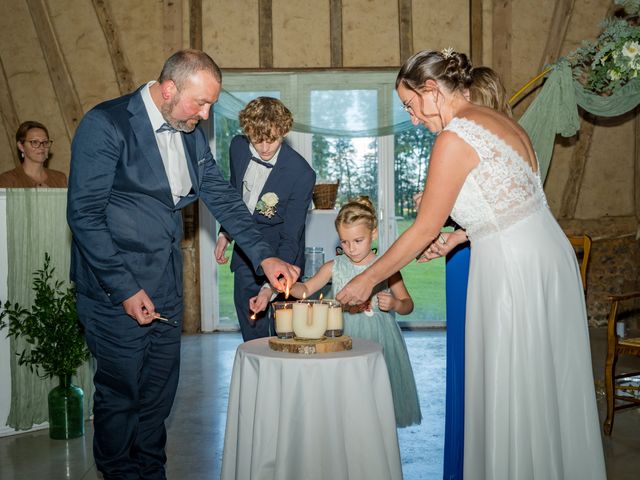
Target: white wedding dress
[(530, 408)]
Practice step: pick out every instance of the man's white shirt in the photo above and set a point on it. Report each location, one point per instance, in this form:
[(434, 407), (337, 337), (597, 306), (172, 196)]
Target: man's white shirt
[(171, 149)]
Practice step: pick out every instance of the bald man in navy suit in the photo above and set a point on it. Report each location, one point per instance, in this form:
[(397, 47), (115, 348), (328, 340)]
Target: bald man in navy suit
[(136, 161), (261, 163)]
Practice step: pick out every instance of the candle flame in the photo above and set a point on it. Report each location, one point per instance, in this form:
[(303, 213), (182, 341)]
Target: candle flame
[(304, 295), (321, 295), (286, 291)]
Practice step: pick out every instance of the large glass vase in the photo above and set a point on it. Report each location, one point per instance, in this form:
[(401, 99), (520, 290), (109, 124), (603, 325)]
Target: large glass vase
[(66, 410)]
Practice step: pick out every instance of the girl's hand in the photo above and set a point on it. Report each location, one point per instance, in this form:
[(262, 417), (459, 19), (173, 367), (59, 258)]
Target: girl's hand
[(357, 291), (260, 302), (386, 301)]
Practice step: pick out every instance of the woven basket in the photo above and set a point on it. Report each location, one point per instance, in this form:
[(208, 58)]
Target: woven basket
[(324, 195)]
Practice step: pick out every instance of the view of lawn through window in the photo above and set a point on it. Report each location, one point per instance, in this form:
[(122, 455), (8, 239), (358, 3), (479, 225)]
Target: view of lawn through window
[(355, 163)]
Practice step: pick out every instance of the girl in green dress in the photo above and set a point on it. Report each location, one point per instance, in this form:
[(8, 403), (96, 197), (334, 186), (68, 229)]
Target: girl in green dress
[(374, 320)]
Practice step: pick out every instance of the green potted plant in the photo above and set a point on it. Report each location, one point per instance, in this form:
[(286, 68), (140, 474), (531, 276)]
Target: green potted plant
[(56, 347)]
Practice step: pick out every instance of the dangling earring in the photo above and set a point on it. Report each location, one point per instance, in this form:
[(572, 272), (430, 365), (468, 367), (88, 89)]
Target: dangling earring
[(22, 154)]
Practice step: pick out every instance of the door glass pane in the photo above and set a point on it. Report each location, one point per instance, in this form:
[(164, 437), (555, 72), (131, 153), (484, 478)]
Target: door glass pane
[(425, 281)]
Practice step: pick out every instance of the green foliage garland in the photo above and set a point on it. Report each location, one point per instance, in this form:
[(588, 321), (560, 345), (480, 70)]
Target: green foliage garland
[(51, 328)]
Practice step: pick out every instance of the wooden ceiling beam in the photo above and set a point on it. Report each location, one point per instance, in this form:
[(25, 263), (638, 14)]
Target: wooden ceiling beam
[(124, 77), (8, 112), (63, 85)]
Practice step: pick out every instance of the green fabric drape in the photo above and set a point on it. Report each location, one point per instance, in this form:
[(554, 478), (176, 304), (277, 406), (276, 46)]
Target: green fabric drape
[(334, 103), (36, 223), (364, 104), (555, 109)]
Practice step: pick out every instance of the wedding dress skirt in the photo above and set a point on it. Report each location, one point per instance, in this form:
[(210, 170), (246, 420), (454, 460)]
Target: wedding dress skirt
[(530, 409)]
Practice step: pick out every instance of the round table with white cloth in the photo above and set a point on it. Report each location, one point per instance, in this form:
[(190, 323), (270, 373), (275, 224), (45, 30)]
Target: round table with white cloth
[(311, 417)]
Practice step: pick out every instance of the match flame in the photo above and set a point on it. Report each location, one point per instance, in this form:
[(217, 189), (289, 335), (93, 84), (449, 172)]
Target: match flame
[(253, 317), (286, 291)]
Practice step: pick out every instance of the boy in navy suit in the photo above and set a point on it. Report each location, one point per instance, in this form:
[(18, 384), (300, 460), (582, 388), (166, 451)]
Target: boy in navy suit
[(276, 184)]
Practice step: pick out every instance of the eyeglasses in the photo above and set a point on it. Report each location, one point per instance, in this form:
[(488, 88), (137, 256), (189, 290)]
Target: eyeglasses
[(38, 143), (407, 105)]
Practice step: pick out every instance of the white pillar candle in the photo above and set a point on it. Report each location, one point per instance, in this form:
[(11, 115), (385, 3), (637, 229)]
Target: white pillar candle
[(301, 312), (334, 322), (320, 317), (310, 319), (284, 320)]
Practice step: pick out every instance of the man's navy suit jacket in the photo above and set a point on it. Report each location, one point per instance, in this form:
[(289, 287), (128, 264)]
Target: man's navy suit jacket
[(126, 228), (292, 179)]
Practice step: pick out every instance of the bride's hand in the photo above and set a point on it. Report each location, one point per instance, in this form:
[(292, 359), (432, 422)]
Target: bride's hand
[(356, 292), (442, 245)]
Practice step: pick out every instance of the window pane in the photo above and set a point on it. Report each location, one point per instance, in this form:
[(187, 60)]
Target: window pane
[(351, 161), (425, 281)]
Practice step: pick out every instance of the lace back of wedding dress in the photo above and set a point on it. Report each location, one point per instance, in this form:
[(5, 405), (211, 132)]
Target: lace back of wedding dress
[(501, 190)]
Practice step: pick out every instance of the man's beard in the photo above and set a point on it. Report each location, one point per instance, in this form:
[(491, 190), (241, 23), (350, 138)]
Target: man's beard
[(180, 125)]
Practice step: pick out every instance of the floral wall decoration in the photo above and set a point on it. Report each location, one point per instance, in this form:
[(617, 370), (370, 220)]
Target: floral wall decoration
[(608, 63)]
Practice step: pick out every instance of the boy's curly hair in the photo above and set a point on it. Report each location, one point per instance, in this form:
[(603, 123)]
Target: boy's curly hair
[(265, 119)]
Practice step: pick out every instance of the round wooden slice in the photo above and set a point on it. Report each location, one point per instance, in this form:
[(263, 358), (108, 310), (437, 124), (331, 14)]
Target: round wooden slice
[(309, 347)]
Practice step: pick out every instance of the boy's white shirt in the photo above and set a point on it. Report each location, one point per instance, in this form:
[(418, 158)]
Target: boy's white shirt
[(255, 177)]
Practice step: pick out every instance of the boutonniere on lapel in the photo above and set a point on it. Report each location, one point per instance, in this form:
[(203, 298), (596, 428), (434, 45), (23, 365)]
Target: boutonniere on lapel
[(267, 204)]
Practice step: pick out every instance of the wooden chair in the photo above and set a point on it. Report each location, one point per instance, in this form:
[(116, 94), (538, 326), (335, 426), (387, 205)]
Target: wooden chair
[(627, 396), (582, 245)]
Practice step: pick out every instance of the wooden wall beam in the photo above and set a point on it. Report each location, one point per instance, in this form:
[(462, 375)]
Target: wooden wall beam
[(475, 24), (265, 33), (577, 166), (66, 94), (335, 32), (191, 317), (405, 21), (560, 18), (8, 112), (578, 162), (171, 26), (124, 77), (562, 11), (636, 170), (501, 40), (195, 24)]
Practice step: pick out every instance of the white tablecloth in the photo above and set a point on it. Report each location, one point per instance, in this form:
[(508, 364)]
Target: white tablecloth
[(319, 417)]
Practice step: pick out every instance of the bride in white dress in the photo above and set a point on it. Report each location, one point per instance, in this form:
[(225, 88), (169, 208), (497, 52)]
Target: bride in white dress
[(530, 409)]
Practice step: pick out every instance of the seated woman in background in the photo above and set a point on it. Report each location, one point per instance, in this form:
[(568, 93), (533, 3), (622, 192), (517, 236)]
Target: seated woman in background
[(32, 140)]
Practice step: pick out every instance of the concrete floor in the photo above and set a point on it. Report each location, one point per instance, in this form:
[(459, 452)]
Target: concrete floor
[(196, 426)]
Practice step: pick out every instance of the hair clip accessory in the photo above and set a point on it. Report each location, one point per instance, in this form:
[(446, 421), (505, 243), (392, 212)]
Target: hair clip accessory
[(447, 52)]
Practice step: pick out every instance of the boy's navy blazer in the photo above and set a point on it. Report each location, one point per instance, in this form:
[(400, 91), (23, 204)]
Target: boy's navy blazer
[(292, 179), (126, 228)]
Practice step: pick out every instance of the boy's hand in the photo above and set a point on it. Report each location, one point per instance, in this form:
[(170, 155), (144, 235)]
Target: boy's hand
[(386, 301), (221, 246), (260, 302)]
